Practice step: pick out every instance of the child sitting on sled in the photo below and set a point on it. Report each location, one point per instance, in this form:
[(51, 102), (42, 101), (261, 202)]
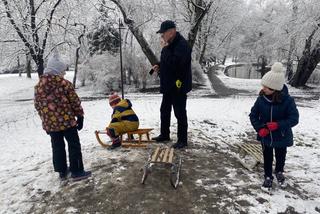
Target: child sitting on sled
[(123, 119)]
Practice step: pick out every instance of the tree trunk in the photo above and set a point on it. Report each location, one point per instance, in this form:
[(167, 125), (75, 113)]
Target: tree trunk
[(18, 62), (307, 63), (206, 36), (40, 65), (292, 46), (28, 66), (224, 60), (77, 57), (76, 67), (197, 16), (137, 34)]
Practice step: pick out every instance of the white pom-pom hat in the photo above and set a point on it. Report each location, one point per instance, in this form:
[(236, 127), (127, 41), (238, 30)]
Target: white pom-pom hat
[(275, 78)]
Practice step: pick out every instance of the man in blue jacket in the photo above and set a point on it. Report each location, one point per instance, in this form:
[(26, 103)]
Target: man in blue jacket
[(175, 82)]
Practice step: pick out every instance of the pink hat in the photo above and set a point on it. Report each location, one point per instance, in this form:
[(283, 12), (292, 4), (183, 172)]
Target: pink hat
[(114, 99)]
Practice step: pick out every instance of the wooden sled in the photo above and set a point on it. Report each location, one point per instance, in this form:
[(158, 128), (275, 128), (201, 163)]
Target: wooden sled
[(252, 149), (140, 142), (165, 157)]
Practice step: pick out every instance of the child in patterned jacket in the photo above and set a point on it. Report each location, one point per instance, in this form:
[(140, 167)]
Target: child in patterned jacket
[(60, 110)]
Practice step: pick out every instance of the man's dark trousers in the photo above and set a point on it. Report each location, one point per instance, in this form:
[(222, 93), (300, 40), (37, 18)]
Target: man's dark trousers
[(59, 152), (178, 100)]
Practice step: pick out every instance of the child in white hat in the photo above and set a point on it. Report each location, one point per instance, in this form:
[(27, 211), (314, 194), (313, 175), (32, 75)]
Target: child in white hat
[(273, 115)]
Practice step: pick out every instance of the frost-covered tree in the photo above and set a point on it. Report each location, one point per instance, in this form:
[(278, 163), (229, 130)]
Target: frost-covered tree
[(23, 16), (104, 35)]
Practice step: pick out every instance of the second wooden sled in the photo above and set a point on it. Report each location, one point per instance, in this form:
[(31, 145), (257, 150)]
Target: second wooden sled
[(139, 142), (165, 157)]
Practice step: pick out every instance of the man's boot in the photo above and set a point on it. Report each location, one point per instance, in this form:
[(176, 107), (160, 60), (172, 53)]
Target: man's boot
[(161, 138), (179, 145)]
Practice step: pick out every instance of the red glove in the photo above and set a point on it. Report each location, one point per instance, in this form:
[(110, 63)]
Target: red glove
[(263, 132), (272, 126)]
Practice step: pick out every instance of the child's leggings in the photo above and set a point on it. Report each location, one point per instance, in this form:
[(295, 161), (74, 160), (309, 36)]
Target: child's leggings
[(280, 154)]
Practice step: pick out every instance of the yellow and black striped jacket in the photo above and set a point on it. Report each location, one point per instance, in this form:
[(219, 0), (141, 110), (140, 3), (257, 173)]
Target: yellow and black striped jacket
[(123, 112)]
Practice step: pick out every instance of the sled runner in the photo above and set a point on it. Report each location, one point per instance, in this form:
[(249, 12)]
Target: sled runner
[(142, 141), (165, 157)]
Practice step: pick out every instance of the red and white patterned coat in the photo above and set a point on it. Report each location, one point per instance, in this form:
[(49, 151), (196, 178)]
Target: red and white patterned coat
[(57, 103)]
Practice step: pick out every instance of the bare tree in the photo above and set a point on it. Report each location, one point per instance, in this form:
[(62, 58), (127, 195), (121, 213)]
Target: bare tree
[(29, 29), (198, 11), (307, 63), (77, 53), (292, 45), (134, 28)]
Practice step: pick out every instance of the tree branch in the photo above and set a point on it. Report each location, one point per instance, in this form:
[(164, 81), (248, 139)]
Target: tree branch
[(35, 36), (49, 25), (18, 30), (43, 1), (198, 6)]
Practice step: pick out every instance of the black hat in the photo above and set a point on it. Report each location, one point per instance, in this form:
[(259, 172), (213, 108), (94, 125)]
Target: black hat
[(166, 25)]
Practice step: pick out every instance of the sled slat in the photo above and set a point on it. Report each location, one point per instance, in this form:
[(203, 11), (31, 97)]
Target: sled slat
[(155, 154), (170, 156)]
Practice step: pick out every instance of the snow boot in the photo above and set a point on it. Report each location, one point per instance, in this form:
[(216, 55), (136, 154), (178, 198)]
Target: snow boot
[(267, 183), (64, 175), (77, 176), (281, 179), (116, 142), (179, 145), (161, 138)]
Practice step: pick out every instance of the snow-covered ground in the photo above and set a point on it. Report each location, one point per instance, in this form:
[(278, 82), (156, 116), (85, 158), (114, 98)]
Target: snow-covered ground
[(26, 172)]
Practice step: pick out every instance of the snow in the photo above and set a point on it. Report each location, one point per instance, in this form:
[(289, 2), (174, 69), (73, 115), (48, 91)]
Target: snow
[(26, 170)]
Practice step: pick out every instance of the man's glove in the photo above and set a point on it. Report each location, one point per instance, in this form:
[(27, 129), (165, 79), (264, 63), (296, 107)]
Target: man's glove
[(272, 126), (178, 84), (79, 122), (263, 132)]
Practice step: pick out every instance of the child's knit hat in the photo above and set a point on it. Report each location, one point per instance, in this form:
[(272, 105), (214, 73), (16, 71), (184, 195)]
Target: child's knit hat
[(114, 99), (275, 78), (55, 65)]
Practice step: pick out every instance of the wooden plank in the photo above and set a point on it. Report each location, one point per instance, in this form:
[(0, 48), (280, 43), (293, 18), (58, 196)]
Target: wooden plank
[(155, 154), (165, 156), (134, 145), (170, 156), (140, 138), (140, 131), (257, 151), (161, 155), (251, 153), (257, 157), (137, 141)]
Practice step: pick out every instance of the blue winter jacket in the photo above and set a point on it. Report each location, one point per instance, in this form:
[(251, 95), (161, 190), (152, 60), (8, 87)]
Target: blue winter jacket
[(284, 113), (175, 64)]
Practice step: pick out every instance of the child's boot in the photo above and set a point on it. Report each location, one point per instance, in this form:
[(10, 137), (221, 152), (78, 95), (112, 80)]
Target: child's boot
[(116, 142), (281, 179), (267, 182)]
